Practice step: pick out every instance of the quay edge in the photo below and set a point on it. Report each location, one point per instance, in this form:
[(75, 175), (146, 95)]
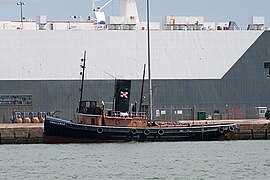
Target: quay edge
[(252, 129)]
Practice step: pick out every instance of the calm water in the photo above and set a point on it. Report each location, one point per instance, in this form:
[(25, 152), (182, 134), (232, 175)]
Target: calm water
[(177, 160)]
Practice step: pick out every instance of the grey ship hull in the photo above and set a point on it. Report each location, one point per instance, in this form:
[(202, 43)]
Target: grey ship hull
[(236, 94)]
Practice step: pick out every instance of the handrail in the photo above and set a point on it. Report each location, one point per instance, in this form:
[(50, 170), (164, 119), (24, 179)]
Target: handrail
[(125, 114)]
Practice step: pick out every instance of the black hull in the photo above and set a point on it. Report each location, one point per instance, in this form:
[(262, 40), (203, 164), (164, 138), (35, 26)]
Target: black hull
[(62, 131)]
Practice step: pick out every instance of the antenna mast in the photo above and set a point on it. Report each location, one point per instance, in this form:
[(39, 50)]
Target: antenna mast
[(82, 74), (149, 63)]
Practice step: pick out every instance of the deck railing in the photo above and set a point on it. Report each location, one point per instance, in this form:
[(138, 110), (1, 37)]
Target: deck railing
[(125, 114)]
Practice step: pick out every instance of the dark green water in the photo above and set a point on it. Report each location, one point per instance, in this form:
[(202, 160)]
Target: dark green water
[(177, 160)]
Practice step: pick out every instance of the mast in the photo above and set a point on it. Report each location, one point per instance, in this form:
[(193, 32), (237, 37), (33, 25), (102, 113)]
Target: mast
[(149, 62), (115, 84), (82, 74), (140, 108)]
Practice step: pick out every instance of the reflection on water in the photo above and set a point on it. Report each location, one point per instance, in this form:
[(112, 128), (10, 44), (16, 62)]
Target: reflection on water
[(172, 160)]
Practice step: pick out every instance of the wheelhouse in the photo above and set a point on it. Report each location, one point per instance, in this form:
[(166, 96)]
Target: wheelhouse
[(90, 107)]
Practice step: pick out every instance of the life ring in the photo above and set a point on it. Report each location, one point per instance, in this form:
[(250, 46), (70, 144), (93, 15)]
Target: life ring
[(146, 132), (133, 131), (161, 132), (231, 128), (99, 130), (85, 110), (221, 130)]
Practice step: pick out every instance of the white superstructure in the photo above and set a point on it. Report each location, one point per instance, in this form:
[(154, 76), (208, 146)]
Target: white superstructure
[(184, 48), (49, 55), (128, 8)]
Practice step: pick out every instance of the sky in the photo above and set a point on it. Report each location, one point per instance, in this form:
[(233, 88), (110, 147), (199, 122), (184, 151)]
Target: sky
[(212, 10)]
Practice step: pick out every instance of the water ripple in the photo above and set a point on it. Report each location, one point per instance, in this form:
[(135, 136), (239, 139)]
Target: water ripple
[(149, 161)]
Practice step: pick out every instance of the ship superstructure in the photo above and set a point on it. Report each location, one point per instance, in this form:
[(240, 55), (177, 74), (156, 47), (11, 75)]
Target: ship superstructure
[(197, 66)]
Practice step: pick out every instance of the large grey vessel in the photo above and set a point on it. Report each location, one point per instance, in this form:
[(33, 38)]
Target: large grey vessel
[(197, 66)]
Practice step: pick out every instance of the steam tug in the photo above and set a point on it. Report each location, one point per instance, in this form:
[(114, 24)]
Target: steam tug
[(94, 123)]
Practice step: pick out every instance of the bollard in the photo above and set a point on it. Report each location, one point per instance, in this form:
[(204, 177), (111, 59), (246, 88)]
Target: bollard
[(266, 134), (252, 134)]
